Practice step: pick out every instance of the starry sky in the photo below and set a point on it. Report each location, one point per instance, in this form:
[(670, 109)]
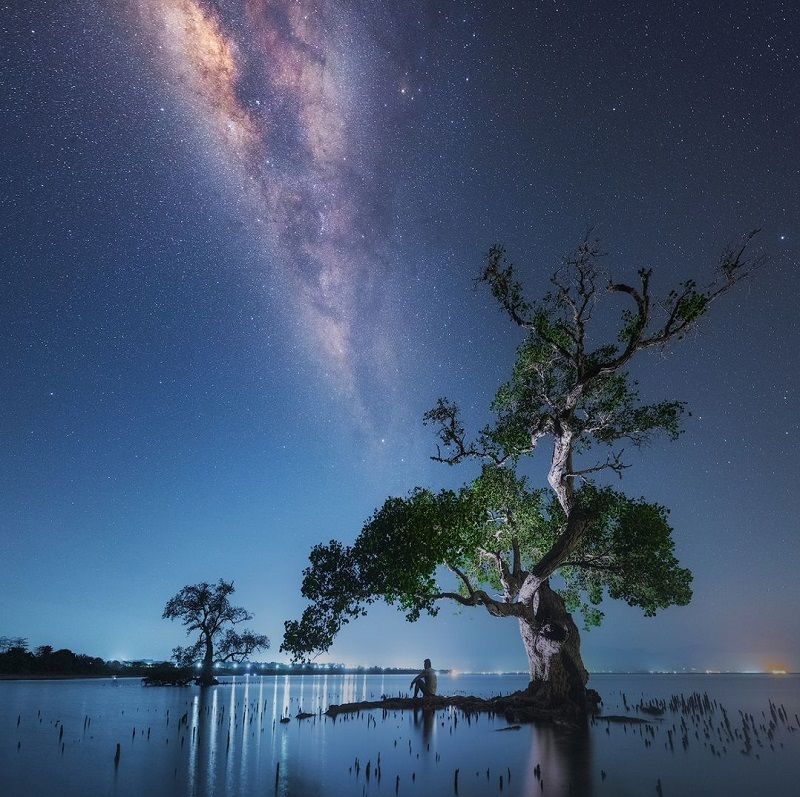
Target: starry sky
[(239, 245)]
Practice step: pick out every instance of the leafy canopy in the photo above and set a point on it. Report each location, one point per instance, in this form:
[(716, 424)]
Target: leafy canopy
[(500, 538), (627, 551)]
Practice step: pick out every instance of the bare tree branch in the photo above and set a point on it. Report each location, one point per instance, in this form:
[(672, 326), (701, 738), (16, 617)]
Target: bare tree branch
[(482, 598), (614, 462), (506, 579), (451, 432), (460, 573)]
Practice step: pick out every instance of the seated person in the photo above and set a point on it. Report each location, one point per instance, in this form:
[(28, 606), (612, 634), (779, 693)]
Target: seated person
[(425, 682)]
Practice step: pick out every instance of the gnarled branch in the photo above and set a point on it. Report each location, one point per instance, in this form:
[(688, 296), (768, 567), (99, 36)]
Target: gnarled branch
[(614, 463)]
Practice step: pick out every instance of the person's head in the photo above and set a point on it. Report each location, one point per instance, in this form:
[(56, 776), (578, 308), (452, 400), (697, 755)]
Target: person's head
[(427, 664)]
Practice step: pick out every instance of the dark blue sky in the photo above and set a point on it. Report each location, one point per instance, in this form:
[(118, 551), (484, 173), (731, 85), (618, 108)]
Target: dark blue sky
[(239, 241)]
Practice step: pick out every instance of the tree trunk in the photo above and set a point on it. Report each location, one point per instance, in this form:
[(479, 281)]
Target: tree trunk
[(552, 642), (207, 670)]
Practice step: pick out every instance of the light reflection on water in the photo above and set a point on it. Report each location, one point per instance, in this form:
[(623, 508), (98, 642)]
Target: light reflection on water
[(231, 741)]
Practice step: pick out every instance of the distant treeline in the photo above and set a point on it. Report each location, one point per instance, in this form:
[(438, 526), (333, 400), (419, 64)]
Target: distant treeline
[(16, 659)]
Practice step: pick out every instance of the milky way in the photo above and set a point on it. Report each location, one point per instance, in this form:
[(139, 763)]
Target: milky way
[(274, 90), (239, 245)]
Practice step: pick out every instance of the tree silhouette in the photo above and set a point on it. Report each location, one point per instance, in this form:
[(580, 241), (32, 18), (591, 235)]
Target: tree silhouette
[(205, 609)]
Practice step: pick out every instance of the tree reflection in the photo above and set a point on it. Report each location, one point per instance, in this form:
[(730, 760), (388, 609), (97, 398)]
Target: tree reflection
[(564, 757)]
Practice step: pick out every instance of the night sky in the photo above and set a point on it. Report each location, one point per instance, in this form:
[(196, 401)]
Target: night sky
[(239, 245)]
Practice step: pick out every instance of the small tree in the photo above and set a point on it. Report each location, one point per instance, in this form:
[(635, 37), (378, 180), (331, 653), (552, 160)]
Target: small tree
[(206, 608), (8, 643), (503, 540)]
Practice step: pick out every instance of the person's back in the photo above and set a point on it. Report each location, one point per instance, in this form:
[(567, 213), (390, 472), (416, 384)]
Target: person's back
[(426, 682), (431, 680)]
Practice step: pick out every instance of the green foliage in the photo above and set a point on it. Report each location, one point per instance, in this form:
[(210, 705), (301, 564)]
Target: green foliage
[(627, 552), (394, 558), (496, 531), (508, 515), (557, 377), (499, 273)]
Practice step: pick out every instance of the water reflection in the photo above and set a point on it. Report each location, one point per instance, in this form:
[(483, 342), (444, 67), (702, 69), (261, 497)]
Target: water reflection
[(230, 743), (424, 723), (274, 699), (203, 728), (564, 756), (286, 698), (229, 740), (243, 770), (283, 764)]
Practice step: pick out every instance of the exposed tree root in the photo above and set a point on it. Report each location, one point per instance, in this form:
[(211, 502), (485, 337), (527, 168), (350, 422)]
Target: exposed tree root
[(516, 708)]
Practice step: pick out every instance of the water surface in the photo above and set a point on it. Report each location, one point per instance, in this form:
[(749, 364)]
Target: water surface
[(60, 737)]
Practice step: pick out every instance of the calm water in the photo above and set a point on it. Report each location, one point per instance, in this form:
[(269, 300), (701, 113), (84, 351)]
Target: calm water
[(60, 737)]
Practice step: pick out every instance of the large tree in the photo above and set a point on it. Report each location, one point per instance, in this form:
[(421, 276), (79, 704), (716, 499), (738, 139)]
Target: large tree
[(205, 609), (537, 554)]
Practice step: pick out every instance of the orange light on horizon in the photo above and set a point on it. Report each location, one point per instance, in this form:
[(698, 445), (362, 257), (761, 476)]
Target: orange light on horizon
[(777, 668)]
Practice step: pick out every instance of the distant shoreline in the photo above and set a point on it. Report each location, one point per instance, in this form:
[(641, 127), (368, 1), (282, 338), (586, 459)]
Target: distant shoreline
[(270, 673), (226, 674), (65, 677)]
